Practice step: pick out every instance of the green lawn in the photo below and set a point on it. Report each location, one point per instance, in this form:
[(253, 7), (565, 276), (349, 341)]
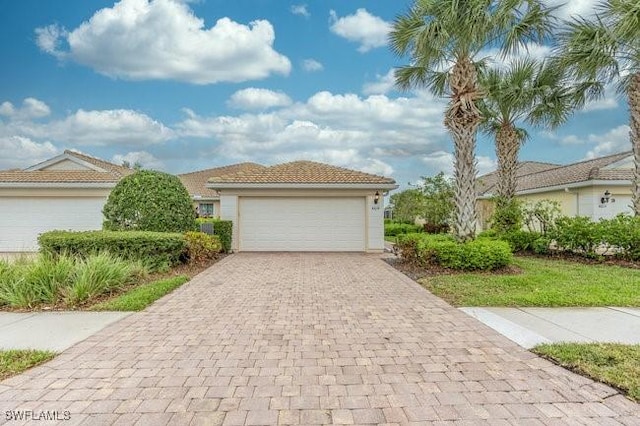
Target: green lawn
[(543, 282), (14, 362), (390, 239), (614, 364), (140, 297)]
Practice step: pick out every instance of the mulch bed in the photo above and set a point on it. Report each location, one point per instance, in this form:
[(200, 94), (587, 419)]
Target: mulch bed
[(417, 272), (575, 257)]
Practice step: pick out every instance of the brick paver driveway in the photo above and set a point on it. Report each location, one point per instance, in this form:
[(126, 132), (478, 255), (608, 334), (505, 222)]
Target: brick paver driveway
[(308, 339)]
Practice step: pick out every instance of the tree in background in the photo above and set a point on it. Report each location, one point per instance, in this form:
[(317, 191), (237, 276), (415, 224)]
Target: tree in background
[(443, 39), (149, 201), (408, 205), (439, 194), (607, 49)]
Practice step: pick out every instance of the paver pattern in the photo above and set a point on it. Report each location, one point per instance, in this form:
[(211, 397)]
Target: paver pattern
[(295, 338)]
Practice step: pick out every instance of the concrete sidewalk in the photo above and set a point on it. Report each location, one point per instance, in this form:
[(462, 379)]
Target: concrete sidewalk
[(529, 327), (53, 331)]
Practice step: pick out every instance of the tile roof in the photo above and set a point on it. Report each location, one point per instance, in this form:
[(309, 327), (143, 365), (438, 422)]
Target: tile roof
[(111, 167), (112, 174), (550, 175), (303, 172), (57, 176), (195, 181), (486, 183), (577, 172)]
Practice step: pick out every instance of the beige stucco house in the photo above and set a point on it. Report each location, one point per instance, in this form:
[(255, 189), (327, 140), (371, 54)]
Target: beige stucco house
[(299, 206), (304, 206), (65, 192), (599, 188)]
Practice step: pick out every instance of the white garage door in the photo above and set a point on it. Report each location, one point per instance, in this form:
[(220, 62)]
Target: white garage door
[(302, 224), (23, 219)]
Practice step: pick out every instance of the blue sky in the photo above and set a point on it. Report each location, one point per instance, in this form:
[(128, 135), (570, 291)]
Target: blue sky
[(184, 85)]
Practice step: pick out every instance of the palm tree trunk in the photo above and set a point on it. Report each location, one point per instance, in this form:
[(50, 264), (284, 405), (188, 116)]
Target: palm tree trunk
[(507, 147), (634, 134), (462, 120)]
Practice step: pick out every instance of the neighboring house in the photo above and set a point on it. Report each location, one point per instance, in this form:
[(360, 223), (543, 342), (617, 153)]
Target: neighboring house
[(598, 188), (206, 201), (66, 192), (304, 206)]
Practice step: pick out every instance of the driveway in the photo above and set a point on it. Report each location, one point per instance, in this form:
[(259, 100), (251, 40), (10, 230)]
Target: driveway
[(307, 339)]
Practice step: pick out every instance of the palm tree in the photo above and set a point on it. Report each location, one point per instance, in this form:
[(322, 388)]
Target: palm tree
[(607, 49), (530, 92), (443, 39)]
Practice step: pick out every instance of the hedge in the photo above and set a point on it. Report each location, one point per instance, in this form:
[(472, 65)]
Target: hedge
[(222, 228), (443, 250), (394, 228), (156, 249)]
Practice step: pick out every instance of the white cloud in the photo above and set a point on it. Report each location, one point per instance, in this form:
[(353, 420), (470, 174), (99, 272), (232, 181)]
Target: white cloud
[(382, 85), (164, 40), (21, 152), (300, 9), (258, 99), (369, 134), (31, 108), (608, 101), (147, 160), (312, 65), (611, 142), (532, 50), (442, 161), (362, 27), (574, 8)]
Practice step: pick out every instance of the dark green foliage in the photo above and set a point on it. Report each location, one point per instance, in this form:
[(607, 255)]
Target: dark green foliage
[(577, 234), (223, 229), (158, 250), (519, 240), (443, 250), (392, 229), (541, 216), (623, 232), (438, 191), (149, 201), (408, 205), (201, 247), (508, 215)]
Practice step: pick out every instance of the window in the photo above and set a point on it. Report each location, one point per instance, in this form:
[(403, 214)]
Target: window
[(205, 209)]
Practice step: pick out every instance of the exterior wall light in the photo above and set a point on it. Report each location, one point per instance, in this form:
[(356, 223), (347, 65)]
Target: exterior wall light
[(606, 197), (376, 197)]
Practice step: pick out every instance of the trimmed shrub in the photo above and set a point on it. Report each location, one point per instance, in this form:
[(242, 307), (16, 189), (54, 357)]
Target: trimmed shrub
[(623, 234), (577, 234), (221, 228), (149, 201), (394, 228), (201, 247), (519, 240), (443, 250), (158, 250)]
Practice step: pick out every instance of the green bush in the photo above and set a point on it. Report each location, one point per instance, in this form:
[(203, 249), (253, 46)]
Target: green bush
[(73, 280), (508, 215), (577, 234), (223, 229), (519, 240), (394, 228), (443, 250), (622, 233), (201, 247), (158, 250), (149, 201)]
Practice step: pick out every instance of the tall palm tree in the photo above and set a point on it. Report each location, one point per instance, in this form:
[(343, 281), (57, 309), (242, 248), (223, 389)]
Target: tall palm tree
[(527, 91), (607, 49), (443, 39)]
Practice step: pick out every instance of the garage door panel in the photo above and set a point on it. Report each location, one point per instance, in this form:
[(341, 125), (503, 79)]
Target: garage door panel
[(302, 224), (22, 219)]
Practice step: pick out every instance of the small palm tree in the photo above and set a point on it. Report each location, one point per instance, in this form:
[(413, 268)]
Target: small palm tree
[(530, 92), (607, 49), (443, 39)]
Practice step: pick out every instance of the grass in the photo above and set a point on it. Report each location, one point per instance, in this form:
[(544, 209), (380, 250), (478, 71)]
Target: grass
[(14, 362), (543, 282), (140, 297), (611, 363), (390, 239)]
